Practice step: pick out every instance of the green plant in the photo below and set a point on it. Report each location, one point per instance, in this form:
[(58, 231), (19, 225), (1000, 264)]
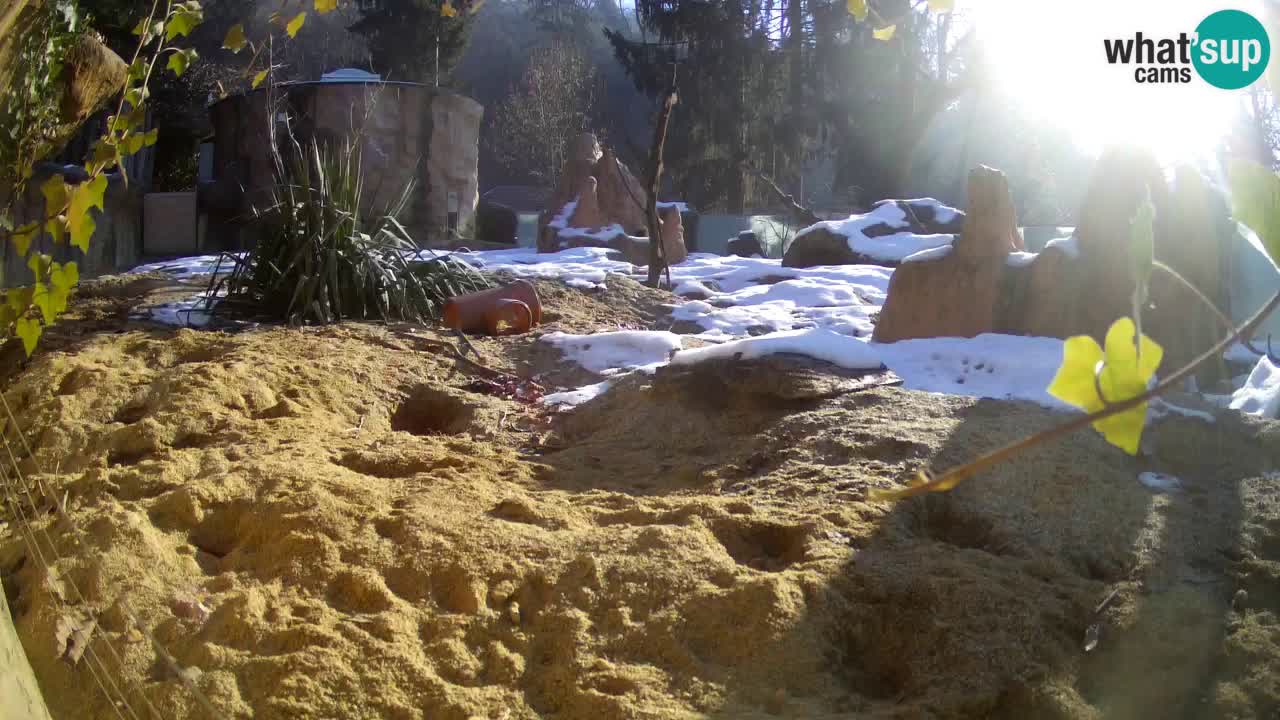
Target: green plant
[(30, 107), (325, 256)]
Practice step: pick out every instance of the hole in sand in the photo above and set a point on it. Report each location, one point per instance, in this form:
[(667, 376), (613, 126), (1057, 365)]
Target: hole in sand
[(431, 411), (131, 413), (218, 534), (763, 546)]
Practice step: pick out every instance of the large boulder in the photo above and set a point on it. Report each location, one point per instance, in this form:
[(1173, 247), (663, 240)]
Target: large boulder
[(955, 291), (890, 232)]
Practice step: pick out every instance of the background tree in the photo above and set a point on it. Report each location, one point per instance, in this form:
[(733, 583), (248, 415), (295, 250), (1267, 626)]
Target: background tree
[(412, 40), (534, 127)]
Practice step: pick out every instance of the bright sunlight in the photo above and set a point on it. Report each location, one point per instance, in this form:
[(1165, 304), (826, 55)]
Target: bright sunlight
[(1051, 57)]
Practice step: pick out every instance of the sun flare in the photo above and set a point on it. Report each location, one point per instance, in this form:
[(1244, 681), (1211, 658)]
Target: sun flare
[(1050, 58)]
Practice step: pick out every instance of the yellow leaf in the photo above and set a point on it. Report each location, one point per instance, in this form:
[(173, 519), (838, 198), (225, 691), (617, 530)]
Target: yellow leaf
[(885, 33), (858, 9), (84, 198), (296, 24), (257, 79), (1125, 374), (55, 194), (234, 41), (325, 6), (65, 277), (942, 6), (57, 228), (23, 236), (448, 10), (43, 300), (29, 330)]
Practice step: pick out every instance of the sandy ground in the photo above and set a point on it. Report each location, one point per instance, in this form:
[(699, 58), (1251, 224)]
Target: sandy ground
[(340, 523)]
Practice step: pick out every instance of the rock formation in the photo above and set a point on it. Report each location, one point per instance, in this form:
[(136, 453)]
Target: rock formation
[(1074, 287), (600, 203), (827, 244)]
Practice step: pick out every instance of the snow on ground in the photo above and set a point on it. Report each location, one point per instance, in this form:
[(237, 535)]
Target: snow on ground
[(572, 398), (1160, 482), (820, 344), (584, 267), (1261, 392), (1004, 367), (608, 353), (886, 248)]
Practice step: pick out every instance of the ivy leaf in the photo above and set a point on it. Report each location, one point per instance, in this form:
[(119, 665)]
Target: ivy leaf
[(296, 24), (44, 301), (65, 277), (885, 33), (858, 9), (150, 137), (84, 198), (234, 41), (138, 70), (23, 236), (1255, 200), (182, 22), (257, 79), (57, 228), (1125, 374), (448, 10), (55, 194), (942, 6), (326, 6), (29, 330), (1142, 241), (181, 59)]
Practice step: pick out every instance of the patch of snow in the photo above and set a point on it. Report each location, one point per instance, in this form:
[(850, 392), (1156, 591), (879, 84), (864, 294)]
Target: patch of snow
[(1160, 482), (1261, 392), (608, 353), (816, 343), (1002, 367), (886, 248), (1068, 245), (679, 206), (941, 213), (186, 266), (189, 312), (583, 267), (561, 219), (936, 253), (573, 398), (1159, 407), (1020, 259), (692, 287)]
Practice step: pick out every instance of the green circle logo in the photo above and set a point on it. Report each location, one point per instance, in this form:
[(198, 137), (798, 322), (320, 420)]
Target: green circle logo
[(1232, 49)]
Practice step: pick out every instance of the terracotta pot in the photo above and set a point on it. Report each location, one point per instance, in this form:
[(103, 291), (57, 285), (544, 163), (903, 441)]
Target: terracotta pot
[(477, 312), (509, 317)]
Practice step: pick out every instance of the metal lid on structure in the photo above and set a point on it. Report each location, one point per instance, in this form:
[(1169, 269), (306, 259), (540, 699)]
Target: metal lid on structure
[(350, 75)]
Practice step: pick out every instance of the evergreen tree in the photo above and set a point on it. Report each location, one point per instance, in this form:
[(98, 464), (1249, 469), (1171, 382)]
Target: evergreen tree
[(413, 40)]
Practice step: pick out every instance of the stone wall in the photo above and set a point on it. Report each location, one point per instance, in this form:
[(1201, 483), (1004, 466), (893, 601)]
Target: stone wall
[(20, 697), (410, 135), (116, 244)]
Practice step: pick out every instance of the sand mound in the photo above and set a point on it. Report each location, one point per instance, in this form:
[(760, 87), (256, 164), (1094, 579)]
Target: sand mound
[(328, 523)]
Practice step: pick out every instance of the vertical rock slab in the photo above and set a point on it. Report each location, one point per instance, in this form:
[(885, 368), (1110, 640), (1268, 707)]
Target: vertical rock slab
[(955, 291)]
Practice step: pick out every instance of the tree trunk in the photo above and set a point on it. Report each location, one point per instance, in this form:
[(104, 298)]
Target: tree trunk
[(657, 261)]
